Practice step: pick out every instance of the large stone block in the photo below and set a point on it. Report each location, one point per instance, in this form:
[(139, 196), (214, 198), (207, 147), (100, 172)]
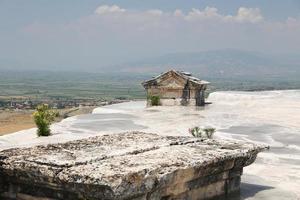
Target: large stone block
[(126, 166)]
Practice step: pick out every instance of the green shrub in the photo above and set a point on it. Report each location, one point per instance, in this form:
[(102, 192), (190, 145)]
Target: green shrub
[(43, 117), (198, 132), (154, 100), (209, 132)]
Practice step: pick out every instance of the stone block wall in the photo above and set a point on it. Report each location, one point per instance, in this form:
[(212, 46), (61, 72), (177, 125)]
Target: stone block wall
[(127, 166)]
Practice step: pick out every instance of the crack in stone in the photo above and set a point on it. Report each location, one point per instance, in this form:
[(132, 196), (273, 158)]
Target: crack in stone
[(135, 152)]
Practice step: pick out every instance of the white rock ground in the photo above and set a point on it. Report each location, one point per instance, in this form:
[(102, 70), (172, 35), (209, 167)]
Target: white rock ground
[(271, 117)]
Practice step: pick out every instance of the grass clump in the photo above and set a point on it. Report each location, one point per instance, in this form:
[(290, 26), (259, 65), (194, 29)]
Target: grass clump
[(154, 100), (43, 117), (199, 132), (209, 132), (196, 131)]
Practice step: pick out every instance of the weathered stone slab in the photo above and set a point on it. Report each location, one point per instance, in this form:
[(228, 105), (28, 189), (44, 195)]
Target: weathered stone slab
[(125, 166)]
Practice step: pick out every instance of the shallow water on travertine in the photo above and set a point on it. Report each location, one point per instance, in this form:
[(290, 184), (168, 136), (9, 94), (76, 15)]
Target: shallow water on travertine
[(269, 117), (272, 117)]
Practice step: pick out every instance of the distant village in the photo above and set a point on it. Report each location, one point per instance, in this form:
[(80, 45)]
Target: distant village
[(30, 104)]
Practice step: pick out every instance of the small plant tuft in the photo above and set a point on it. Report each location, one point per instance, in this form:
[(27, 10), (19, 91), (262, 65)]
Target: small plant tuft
[(154, 100), (43, 117), (209, 132), (198, 132)]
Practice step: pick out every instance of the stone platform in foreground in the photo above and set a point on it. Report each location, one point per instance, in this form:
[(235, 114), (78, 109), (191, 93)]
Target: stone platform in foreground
[(127, 166)]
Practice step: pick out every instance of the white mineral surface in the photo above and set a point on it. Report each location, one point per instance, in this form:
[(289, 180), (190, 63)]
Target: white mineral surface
[(271, 117)]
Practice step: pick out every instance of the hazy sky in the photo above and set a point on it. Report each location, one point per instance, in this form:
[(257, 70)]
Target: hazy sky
[(55, 34)]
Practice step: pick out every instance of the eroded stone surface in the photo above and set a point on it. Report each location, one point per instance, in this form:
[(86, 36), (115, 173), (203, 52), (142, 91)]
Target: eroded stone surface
[(123, 166)]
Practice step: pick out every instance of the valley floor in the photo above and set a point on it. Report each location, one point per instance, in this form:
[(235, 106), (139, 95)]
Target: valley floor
[(17, 120), (12, 121)]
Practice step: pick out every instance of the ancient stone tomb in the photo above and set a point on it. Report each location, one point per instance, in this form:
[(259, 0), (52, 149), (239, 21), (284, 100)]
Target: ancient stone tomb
[(126, 166), (176, 88)]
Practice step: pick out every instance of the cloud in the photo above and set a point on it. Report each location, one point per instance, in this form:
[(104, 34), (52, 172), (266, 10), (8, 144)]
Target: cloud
[(252, 15), (118, 31), (244, 15), (207, 13), (178, 13), (105, 9)]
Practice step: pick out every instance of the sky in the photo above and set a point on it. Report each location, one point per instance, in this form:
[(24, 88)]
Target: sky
[(79, 34)]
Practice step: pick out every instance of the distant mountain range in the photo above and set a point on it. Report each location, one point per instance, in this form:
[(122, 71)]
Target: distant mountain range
[(220, 63), (225, 64), (225, 69)]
